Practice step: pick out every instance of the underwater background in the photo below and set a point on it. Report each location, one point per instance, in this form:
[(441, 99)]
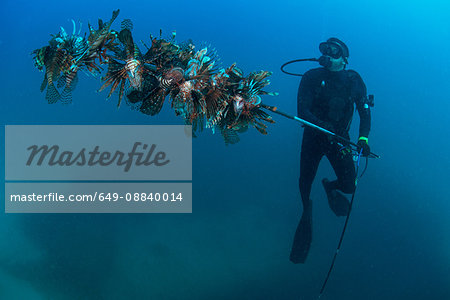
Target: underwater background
[(246, 203)]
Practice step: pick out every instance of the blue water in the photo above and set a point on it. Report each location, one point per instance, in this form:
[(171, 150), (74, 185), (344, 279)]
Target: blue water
[(246, 202)]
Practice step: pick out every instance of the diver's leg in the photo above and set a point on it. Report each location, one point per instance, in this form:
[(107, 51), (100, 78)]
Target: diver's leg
[(310, 157), (343, 166)]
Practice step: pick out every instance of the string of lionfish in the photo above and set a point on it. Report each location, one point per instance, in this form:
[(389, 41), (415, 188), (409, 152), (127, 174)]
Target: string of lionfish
[(201, 93)]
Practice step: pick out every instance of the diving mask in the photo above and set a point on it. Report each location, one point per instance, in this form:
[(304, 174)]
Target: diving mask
[(330, 49)]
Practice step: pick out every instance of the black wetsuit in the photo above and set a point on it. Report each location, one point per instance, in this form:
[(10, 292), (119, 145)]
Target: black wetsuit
[(327, 99)]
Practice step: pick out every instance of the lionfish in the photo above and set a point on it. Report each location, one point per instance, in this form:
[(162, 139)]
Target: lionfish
[(163, 85), (126, 66), (61, 59), (216, 98), (66, 55), (102, 39), (189, 98), (167, 62), (244, 109)]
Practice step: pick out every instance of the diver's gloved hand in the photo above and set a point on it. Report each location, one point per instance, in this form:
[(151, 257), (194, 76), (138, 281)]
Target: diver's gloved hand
[(364, 145)]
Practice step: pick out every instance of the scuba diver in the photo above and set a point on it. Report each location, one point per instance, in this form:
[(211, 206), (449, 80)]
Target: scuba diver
[(326, 97)]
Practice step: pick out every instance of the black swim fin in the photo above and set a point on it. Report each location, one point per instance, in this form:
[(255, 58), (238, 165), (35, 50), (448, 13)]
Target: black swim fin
[(302, 239), (338, 203)]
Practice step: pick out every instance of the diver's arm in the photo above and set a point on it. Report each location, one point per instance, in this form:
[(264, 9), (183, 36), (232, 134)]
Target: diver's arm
[(364, 118), (305, 98), (359, 94)]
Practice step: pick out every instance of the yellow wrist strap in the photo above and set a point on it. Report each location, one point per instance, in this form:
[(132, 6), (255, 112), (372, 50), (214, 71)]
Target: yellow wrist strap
[(363, 138)]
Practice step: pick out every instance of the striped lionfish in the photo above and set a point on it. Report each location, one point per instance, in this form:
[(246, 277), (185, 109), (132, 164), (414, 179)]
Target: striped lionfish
[(65, 55)]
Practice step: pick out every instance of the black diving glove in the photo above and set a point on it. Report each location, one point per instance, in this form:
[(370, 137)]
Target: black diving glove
[(364, 145)]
